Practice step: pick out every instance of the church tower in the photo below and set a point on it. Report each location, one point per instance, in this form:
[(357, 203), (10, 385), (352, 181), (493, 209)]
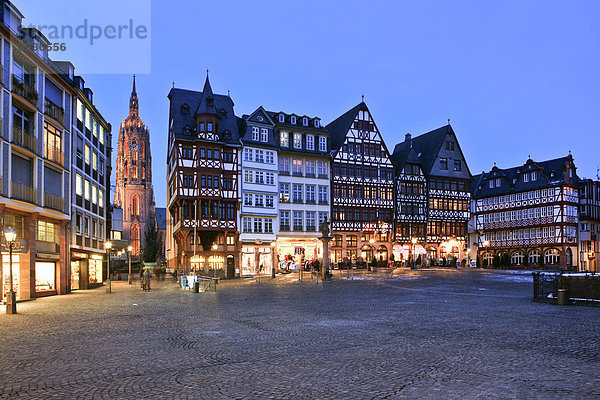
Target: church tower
[(134, 193)]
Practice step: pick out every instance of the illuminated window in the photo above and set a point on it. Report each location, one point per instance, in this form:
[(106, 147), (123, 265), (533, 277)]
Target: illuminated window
[(47, 232), (78, 185), (297, 140), (284, 139), (87, 190)]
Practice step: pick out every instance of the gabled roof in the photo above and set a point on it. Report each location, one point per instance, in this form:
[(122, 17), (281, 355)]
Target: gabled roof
[(207, 101), (245, 132), (427, 146), (339, 127), (179, 97), (404, 156), (550, 173)]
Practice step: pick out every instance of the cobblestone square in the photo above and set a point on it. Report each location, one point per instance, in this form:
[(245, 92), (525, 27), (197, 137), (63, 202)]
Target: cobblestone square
[(425, 334)]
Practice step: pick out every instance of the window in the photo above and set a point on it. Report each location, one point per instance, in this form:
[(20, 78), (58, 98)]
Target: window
[(284, 220), (534, 176), (78, 223), (268, 225), (248, 199), (80, 111), (270, 178), (258, 223), (443, 163), (281, 118), (264, 135), (269, 201), (298, 221), (311, 221), (305, 121), (351, 240), (259, 156), (284, 165), (551, 256), (284, 139), (297, 140), (47, 232), (87, 190), (293, 119), (525, 177), (322, 143), (284, 192), (491, 183), (310, 194), (53, 145), (534, 256), (316, 123), (248, 154), (78, 185), (457, 165), (94, 194), (311, 167), (323, 169), (297, 193), (247, 224), (270, 157), (323, 195), (87, 154), (259, 200), (101, 198), (255, 133), (310, 142), (517, 258), (498, 182), (297, 167), (248, 176), (259, 177)]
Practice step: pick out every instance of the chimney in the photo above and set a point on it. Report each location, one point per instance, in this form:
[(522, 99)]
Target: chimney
[(407, 137)]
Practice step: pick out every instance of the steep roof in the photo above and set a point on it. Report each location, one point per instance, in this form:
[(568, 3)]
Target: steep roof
[(223, 108), (339, 127), (551, 173), (405, 155), (207, 101), (426, 146)]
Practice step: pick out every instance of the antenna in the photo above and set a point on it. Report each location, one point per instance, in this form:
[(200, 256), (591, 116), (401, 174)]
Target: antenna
[(598, 173), (173, 84), (362, 97), (228, 93), (448, 121)]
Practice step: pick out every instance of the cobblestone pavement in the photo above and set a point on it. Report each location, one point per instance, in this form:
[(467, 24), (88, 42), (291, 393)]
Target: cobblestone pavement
[(425, 334)]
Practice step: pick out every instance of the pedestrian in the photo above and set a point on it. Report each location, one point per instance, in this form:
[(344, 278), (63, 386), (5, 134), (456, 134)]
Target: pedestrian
[(142, 278), (147, 279)]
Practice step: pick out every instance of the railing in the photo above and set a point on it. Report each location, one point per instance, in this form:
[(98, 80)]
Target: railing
[(25, 139), (54, 111), (25, 90), (580, 287), (54, 202), (55, 154), (23, 192)]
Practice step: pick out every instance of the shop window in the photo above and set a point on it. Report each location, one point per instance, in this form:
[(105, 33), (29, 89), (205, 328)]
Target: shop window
[(5, 284), (45, 276)]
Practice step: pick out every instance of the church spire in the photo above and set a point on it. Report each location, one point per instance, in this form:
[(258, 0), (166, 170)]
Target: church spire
[(133, 102)]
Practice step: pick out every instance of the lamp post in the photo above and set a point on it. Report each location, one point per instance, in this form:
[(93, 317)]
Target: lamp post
[(129, 277), (214, 247), (273, 243), (107, 246), (11, 299), (486, 243), (414, 242)]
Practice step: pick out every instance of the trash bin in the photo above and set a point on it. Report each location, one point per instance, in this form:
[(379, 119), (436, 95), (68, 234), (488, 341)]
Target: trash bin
[(196, 287), (563, 297)]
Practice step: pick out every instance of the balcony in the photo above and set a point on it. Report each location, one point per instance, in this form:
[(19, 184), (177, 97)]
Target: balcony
[(55, 154), (25, 139), (23, 192), (54, 202), (54, 111), (25, 90)]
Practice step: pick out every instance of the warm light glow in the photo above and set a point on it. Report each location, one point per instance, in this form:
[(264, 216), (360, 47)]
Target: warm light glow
[(414, 240), (214, 246), (129, 248), (273, 244), (195, 259), (372, 241), (486, 243), (107, 245), (10, 234)]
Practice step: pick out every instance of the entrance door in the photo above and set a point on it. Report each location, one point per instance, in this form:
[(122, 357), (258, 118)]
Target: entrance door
[(75, 269), (5, 284), (230, 267), (569, 255)]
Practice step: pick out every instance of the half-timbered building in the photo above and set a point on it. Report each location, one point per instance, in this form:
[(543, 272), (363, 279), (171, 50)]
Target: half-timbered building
[(362, 189), (304, 186), (202, 180), (448, 194), (528, 215), (410, 213), (589, 225), (260, 193)]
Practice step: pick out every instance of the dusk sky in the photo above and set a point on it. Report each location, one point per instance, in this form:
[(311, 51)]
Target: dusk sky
[(516, 78)]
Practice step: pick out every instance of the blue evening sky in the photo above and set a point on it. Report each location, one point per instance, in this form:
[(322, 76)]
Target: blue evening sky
[(516, 77)]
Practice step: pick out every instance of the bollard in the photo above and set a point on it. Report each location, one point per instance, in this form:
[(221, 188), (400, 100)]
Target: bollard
[(197, 287), (563, 297)]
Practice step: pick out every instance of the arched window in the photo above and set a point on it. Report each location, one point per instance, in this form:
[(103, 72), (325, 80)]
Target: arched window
[(534, 257), (517, 258), (551, 256), (135, 239), (382, 253), (488, 259), (366, 253), (135, 205)]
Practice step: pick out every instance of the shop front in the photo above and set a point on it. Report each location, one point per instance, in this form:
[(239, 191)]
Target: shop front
[(403, 253), (292, 254), (86, 270), (46, 267), (256, 259), (16, 273)]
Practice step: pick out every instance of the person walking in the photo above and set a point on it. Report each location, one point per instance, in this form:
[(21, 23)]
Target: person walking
[(146, 279)]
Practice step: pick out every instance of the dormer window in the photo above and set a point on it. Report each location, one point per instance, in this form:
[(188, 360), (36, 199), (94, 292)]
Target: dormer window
[(305, 121), (209, 126), (259, 118), (534, 176), (293, 120), (187, 130), (209, 102), (255, 133), (223, 113), (297, 140), (264, 135), (316, 123), (281, 118), (201, 126), (185, 109), (526, 177), (498, 182), (491, 183), (227, 134)]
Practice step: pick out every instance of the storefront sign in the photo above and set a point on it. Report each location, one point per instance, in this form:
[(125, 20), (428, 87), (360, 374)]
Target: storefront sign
[(49, 256), (19, 246), (97, 257), (78, 255)]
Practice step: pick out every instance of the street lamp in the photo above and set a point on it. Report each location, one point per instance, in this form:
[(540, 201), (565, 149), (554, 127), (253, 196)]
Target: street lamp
[(215, 247), (107, 246), (414, 242), (129, 277), (273, 259), (11, 298)]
